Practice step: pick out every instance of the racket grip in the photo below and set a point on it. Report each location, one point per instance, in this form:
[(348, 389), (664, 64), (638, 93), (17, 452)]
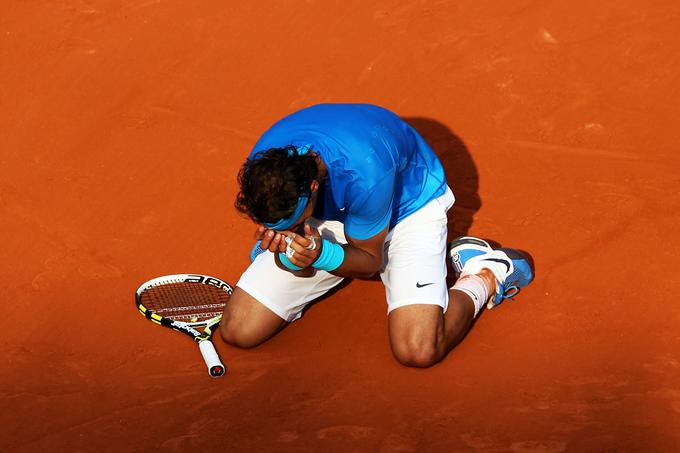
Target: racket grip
[(215, 367)]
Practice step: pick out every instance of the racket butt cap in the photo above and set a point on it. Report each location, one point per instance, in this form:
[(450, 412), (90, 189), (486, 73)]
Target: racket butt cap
[(212, 360), (216, 371)]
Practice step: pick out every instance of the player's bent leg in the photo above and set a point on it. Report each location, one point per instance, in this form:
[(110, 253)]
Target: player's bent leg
[(414, 332), (414, 276), (246, 322), (421, 335)]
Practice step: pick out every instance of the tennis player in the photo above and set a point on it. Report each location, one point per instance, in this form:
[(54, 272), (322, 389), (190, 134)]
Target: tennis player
[(347, 191)]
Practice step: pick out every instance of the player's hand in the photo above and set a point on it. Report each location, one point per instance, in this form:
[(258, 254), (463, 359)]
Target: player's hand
[(271, 240), (303, 250)]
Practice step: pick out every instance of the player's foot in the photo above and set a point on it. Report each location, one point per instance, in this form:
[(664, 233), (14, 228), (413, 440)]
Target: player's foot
[(256, 251), (464, 248), (510, 267)]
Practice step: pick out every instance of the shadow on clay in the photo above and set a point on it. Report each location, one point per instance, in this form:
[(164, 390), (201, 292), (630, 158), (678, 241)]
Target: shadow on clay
[(461, 171)]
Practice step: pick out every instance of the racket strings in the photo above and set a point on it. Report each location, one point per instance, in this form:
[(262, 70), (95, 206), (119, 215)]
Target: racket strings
[(185, 301)]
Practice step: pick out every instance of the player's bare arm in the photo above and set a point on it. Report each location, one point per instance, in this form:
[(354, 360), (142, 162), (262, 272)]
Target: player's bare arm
[(363, 258)]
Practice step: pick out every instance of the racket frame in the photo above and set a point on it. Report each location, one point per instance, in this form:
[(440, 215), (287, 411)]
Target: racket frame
[(215, 366)]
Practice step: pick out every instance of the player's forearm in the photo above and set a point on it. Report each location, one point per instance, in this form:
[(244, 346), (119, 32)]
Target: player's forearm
[(358, 263), (356, 259)]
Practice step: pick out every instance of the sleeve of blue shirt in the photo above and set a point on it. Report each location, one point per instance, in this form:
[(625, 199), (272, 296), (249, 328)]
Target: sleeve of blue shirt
[(370, 211)]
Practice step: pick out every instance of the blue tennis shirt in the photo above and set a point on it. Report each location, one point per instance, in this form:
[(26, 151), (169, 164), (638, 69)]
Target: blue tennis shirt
[(380, 170)]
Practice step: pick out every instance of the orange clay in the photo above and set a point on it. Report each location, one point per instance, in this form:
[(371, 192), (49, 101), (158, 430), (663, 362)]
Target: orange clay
[(123, 126)]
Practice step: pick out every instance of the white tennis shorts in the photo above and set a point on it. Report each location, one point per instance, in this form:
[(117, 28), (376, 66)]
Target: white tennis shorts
[(413, 272)]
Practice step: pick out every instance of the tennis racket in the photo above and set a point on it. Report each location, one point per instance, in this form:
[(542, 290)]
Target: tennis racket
[(187, 303)]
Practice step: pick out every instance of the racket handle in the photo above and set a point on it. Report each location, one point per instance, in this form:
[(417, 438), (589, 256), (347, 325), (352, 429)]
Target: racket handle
[(215, 367)]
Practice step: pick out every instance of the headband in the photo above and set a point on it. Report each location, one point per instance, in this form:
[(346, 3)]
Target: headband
[(288, 222)]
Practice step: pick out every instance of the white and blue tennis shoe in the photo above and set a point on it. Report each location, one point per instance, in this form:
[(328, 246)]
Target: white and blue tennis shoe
[(511, 267)]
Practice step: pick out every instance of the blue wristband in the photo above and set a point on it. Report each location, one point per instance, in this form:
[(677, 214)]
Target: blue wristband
[(286, 262), (332, 256)]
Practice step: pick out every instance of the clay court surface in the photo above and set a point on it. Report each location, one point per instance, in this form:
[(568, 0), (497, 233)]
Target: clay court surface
[(123, 125)]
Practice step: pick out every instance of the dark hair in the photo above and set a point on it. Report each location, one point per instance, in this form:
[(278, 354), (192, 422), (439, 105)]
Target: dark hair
[(272, 181)]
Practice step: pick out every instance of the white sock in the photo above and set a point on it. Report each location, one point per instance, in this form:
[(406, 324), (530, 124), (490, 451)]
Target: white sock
[(475, 287)]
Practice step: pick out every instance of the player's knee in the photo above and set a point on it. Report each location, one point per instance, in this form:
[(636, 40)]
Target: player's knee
[(417, 354), (236, 334)]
